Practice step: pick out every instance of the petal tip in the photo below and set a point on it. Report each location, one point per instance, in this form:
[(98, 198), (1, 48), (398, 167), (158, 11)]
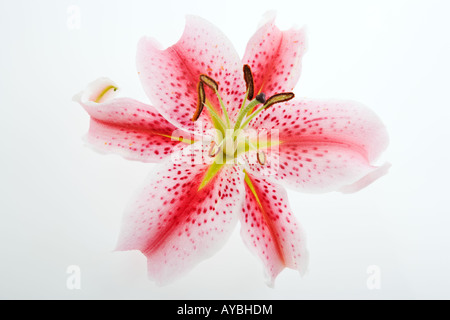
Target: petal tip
[(270, 277), (268, 17), (367, 180), (146, 41), (304, 31), (77, 98), (192, 21), (303, 267), (97, 91), (270, 282)]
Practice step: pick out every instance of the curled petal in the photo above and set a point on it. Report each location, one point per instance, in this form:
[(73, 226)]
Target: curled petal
[(170, 76), (367, 180), (324, 145), (127, 127), (275, 57), (176, 225), (270, 230)]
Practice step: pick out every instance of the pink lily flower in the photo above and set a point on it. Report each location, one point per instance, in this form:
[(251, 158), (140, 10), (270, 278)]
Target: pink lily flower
[(205, 99)]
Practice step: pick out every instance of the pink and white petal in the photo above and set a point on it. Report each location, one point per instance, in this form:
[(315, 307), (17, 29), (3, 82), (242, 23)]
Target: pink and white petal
[(174, 224), (313, 168), (325, 144), (170, 76), (270, 230), (377, 173), (275, 57), (127, 127)]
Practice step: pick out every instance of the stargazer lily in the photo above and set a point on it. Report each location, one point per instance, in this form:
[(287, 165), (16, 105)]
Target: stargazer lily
[(205, 101)]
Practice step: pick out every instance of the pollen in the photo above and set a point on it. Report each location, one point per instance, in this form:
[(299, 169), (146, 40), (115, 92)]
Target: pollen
[(210, 82), (278, 98), (201, 101), (248, 77)]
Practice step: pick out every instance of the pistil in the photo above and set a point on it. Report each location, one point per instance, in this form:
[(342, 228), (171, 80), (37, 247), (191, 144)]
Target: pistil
[(214, 86), (243, 112), (230, 143)]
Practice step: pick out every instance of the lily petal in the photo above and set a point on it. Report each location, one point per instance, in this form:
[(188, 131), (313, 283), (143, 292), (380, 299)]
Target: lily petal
[(176, 225), (325, 144), (127, 127), (275, 57), (270, 230), (368, 179), (170, 76)]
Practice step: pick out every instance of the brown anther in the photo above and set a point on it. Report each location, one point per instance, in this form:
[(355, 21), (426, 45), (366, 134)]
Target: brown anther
[(214, 149), (209, 82), (261, 156), (250, 84), (278, 98), (201, 101)]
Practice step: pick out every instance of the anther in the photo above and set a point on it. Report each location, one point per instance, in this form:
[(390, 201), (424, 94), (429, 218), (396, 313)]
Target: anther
[(248, 77), (261, 97), (209, 82), (278, 98), (261, 156), (201, 101), (214, 149)]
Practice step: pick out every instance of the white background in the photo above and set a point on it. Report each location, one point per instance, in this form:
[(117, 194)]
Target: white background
[(62, 203)]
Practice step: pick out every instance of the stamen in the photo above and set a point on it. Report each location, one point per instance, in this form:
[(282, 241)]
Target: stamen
[(209, 82), (214, 86), (278, 98), (214, 149), (248, 77), (261, 156), (201, 101), (243, 112)]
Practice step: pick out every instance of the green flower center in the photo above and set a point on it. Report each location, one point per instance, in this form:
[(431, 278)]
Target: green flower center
[(232, 139)]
